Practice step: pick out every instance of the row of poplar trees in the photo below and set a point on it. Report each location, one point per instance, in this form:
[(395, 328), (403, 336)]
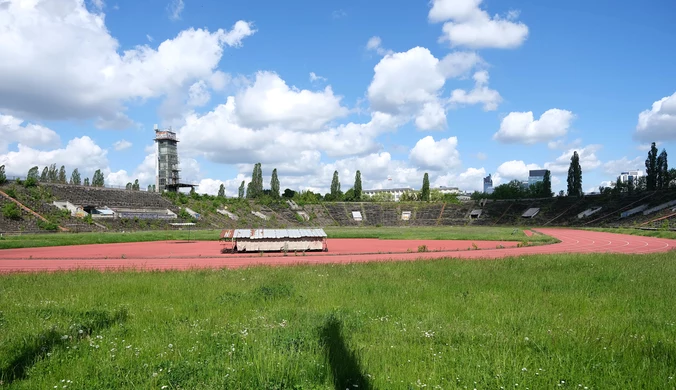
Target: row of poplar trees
[(50, 174)]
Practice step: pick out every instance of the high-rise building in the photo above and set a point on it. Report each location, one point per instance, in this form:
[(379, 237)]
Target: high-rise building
[(488, 184), (536, 175), (630, 176), (167, 170)]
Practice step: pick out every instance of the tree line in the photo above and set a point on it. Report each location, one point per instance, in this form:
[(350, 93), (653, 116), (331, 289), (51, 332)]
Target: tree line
[(50, 174), (657, 176)]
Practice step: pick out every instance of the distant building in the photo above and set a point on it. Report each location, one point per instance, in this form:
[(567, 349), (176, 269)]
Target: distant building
[(630, 176), (449, 190), (396, 192), (167, 166), (535, 176), (488, 184)]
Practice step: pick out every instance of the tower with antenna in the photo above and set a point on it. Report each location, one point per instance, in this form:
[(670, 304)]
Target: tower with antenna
[(167, 167)]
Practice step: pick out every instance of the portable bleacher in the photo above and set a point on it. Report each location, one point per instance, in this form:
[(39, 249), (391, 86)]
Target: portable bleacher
[(303, 215), (475, 214), (405, 215), (356, 215), (589, 212), (531, 212), (633, 211), (660, 207)]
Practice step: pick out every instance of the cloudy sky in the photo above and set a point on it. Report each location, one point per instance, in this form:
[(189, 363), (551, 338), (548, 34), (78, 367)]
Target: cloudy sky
[(456, 88)]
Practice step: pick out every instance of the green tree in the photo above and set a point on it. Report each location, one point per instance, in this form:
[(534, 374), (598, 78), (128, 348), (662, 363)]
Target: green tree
[(221, 191), (136, 186), (662, 177), (672, 178), (53, 175), (651, 168), (128, 186), (425, 191), (97, 179), (86, 182), (150, 188), (240, 191), (33, 173), (62, 175), (274, 184), (289, 193), (44, 177), (357, 186), (255, 187), (547, 185), (335, 186), (575, 176), (75, 177), (3, 177)]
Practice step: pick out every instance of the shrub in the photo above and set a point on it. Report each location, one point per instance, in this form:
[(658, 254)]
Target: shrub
[(30, 182), (11, 192), (47, 225), (11, 211), (422, 248)]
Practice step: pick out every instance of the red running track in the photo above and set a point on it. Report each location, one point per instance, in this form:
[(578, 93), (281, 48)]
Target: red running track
[(206, 254)]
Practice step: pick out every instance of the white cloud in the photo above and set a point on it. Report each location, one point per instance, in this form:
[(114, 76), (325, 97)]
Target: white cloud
[(376, 44), (99, 79), (82, 153), (588, 160), (521, 127), (658, 123), (315, 77), (211, 187), (481, 94), (468, 25), (470, 180), (122, 145), (432, 116), (436, 155), (561, 144), (198, 94), (175, 8), (149, 38), (98, 4), (32, 135), (270, 101), (515, 170), (615, 167)]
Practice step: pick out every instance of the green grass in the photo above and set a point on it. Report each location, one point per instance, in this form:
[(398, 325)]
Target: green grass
[(596, 321), (430, 233), (638, 232)]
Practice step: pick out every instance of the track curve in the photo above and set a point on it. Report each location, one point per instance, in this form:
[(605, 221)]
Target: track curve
[(180, 255)]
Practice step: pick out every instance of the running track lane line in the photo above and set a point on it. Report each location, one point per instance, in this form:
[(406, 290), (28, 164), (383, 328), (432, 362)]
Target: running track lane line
[(572, 241)]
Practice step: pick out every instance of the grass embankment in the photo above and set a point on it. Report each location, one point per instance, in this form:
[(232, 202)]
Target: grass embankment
[(638, 232), (579, 321), (427, 233)]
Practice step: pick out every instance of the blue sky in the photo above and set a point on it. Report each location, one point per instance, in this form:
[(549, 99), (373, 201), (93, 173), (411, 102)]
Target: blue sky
[(388, 96)]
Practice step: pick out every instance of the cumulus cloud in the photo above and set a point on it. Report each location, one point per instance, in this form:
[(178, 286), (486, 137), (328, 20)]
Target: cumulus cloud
[(98, 77), (481, 94), (515, 170), (521, 127), (13, 130), (658, 123), (82, 153), (615, 167), (315, 77), (436, 155), (122, 145), (409, 84), (198, 94), (270, 101), (588, 160), (468, 25)]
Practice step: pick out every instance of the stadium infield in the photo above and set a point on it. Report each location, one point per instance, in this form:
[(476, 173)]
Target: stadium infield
[(183, 255)]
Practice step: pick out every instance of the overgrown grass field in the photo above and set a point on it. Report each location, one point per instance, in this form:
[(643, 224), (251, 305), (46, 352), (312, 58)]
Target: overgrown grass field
[(429, 233), (565, 321)]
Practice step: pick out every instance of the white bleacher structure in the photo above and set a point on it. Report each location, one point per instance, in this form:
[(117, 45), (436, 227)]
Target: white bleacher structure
[(589, 212), (633, 211), (356, 215), (228, 214), (303, 215), (531, 212), (475, 214), (405, 215), (660, 207), (260, 215)]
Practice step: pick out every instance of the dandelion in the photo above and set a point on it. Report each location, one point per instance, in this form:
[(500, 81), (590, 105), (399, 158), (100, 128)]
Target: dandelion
[(524, 369), (171, 346)]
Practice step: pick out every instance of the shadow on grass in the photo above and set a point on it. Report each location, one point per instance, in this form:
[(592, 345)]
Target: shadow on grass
[(35, 348), (344, 364)]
